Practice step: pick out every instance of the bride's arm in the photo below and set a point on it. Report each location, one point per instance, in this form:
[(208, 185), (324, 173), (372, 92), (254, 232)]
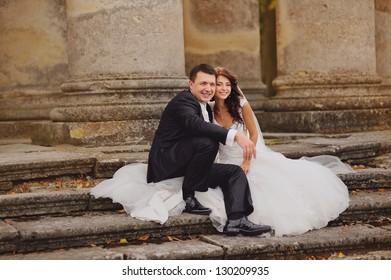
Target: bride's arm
[(249, 122)]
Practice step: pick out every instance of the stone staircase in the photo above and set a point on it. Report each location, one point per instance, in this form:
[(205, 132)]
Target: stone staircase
[(46, 210)]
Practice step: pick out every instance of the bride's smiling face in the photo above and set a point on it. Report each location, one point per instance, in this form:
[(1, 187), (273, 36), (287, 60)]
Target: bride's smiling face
[(223, 87)]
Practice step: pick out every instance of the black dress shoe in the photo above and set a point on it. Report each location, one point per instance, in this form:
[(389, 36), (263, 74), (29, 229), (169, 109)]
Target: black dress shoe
[(245, 227), (193, 206)]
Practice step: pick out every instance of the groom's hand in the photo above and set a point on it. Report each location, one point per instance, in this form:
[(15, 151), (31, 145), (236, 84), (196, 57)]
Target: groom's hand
[(247, 146)]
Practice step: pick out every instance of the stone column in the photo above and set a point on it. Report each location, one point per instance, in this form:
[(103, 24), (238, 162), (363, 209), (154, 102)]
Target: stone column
[(383, 42), (126, 60), (33, 62), (326, 67), (226, 33)]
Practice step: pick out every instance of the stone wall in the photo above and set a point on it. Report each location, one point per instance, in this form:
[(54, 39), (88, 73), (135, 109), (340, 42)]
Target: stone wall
[(33, 45), (126, 61), (383, 42), (99, 72), (225, 33), (33, 58), (326, 69)]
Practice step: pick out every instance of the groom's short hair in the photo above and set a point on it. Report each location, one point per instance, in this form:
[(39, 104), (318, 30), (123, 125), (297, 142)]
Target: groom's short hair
[(205, 68)]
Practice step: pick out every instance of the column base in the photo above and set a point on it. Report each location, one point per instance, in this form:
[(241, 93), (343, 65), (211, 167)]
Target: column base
[(326, 115), (109, 111), (324, 103), (95, 134)]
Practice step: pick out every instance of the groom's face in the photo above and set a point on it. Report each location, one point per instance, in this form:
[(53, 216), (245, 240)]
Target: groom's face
[(203, 87)]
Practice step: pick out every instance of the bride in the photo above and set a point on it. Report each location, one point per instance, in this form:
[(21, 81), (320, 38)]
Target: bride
[(292, 196)]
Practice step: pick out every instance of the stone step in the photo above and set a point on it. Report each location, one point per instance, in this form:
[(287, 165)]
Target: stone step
[(342, 242), (372, 255), (367, 206), (368, 178), (24, 161), (38, 233), (79, 200), (20, 162), (92, 228)]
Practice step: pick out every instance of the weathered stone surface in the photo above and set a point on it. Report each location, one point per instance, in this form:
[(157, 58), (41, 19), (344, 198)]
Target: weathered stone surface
[(356, 148), (326, 241), (176, 250), (99, 228), (326, 104), (33, 49), (106, 167), (320, 86), (352, 147), (367, 207), (103, 204), (368, 178), (119, 94), (22, 166), (383, 161), (55, 202), (309, 32), (375, 255), (362, 203), (8, 238), (127, 132), (90, 253), (5, 186), (333, 121), (143, 29), (357, 242), (383, 37), (33, 62), (230, 38), (101, 113), (20, 147), (15, 129), (314, 85)]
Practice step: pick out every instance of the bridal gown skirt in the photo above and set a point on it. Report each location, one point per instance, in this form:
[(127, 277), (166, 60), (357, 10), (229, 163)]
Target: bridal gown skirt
[(292, 196), (150, 202)]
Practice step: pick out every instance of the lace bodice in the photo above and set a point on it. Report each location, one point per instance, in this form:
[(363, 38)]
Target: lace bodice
[(232, 154)]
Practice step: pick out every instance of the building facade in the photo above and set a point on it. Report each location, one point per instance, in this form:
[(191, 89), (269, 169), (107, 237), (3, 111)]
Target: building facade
[(99, 72)]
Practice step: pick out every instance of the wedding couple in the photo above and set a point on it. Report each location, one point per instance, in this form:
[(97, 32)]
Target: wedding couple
[(249, 189)]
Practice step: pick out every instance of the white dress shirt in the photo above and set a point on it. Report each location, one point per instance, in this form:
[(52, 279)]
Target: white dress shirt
[(231, 133)]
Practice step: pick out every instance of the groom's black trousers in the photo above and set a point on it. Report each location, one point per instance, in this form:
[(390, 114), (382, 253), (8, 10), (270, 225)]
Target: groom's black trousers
[(200, 173)]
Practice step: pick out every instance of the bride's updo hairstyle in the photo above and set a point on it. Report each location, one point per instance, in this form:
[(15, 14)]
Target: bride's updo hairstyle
[(233, 100)]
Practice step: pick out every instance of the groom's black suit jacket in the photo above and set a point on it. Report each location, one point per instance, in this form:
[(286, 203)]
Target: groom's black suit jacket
[(171, 148)]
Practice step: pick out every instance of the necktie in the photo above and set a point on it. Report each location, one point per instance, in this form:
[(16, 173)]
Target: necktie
[(205, 112)]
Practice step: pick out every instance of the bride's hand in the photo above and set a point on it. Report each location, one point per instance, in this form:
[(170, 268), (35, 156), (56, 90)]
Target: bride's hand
[(245, 166), (247, 146)]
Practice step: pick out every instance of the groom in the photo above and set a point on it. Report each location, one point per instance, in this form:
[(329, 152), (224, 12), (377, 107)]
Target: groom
[(186, 144)]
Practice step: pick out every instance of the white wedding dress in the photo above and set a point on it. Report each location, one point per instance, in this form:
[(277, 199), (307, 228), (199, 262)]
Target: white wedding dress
[(292, 196)]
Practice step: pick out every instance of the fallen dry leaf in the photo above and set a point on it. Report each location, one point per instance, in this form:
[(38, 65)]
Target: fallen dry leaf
[(123, 241), (359, 166), (170, 238), (341, 255), (143, 238)]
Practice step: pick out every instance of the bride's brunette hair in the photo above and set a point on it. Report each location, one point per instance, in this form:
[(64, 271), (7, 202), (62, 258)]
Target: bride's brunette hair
[(233, 100)]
